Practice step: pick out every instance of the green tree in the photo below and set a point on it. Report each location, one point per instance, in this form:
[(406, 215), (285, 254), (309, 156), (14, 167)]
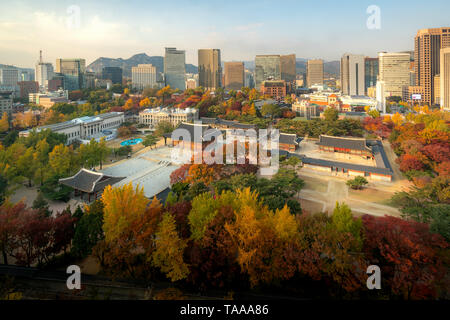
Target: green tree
[(343, 221), (270, 110), (26, 165), (331, 114), (88, 230), (41, 205), (357, 183), (150, 140)]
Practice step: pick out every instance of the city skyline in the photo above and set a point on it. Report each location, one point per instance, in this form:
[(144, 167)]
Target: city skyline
[(86, 30)]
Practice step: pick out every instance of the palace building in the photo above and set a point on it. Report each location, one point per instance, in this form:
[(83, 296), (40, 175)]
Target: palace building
[(350, 145), (89, 182)]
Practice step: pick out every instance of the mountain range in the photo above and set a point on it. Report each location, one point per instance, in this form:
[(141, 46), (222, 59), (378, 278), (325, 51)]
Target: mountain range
[(330, 67), (127, 64)]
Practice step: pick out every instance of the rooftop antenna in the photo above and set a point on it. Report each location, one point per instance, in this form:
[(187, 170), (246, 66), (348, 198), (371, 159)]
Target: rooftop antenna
[(40, 56)]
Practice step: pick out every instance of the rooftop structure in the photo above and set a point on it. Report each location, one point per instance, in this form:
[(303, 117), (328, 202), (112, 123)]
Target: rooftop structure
[(153, 116), (90, 182), (345, 145), (85, 128)]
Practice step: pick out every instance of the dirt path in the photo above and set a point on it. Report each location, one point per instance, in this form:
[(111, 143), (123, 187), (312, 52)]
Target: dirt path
[(337, 191)]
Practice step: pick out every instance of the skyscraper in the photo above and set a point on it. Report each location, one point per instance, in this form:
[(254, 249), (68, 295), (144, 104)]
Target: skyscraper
[(267, 67), (445, 79), (234, 75), (314, 72), (288, 71), (209, 69), (73, 71), (112, 73), (44, 72), (143, 76), (352, 74), (394, 72), (428, 43), (175, 68), (371, 66), (9, 77)]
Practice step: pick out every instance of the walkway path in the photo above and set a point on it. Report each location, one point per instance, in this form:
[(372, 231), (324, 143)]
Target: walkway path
[(337, 191)]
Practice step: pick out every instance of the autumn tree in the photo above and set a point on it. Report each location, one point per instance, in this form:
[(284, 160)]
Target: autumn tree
[(168, 255), (408, 255), (130, 223), (4, 122)]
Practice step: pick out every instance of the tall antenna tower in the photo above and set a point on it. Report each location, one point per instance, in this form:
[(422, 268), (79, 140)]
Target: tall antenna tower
[(40, 56)]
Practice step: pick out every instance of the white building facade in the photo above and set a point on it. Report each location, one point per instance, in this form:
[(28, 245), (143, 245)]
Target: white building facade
[(143, 76), (151, 117), (85, 128)]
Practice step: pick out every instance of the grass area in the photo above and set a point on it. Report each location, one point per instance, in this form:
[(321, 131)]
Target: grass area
[(371, 195), (315, 184)]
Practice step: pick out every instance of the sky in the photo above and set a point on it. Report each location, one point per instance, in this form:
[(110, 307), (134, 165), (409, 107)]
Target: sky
[(323, 29)]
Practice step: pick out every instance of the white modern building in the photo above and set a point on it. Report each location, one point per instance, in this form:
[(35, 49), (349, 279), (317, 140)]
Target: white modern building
[(445, 79), (381, 97), (85, 128), (143, 76), (153, 116), (353, 74), (394, 71)]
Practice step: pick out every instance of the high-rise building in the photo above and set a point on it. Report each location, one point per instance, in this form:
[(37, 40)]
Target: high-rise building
[(175, 68), (428, 43), (89, 80), (112, 73), (6, 102), (27, 87), (445, 79), (9, 77), (288, 65), (234, 75), (143, 76), (44, 72), (394, 71), (209, 69), (267, 67), (249, 81), (73, 71), (353, 74), (314, 72), (371, 65)]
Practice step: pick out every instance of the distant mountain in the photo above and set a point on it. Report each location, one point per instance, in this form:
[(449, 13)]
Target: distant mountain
[(330, 67), (2, 66), (127, 64)]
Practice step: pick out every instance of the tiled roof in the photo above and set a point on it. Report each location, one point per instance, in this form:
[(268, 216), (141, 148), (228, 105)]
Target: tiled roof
[(288, 138), (343, 142), (348, 166), (89, 181), (228, 123)]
